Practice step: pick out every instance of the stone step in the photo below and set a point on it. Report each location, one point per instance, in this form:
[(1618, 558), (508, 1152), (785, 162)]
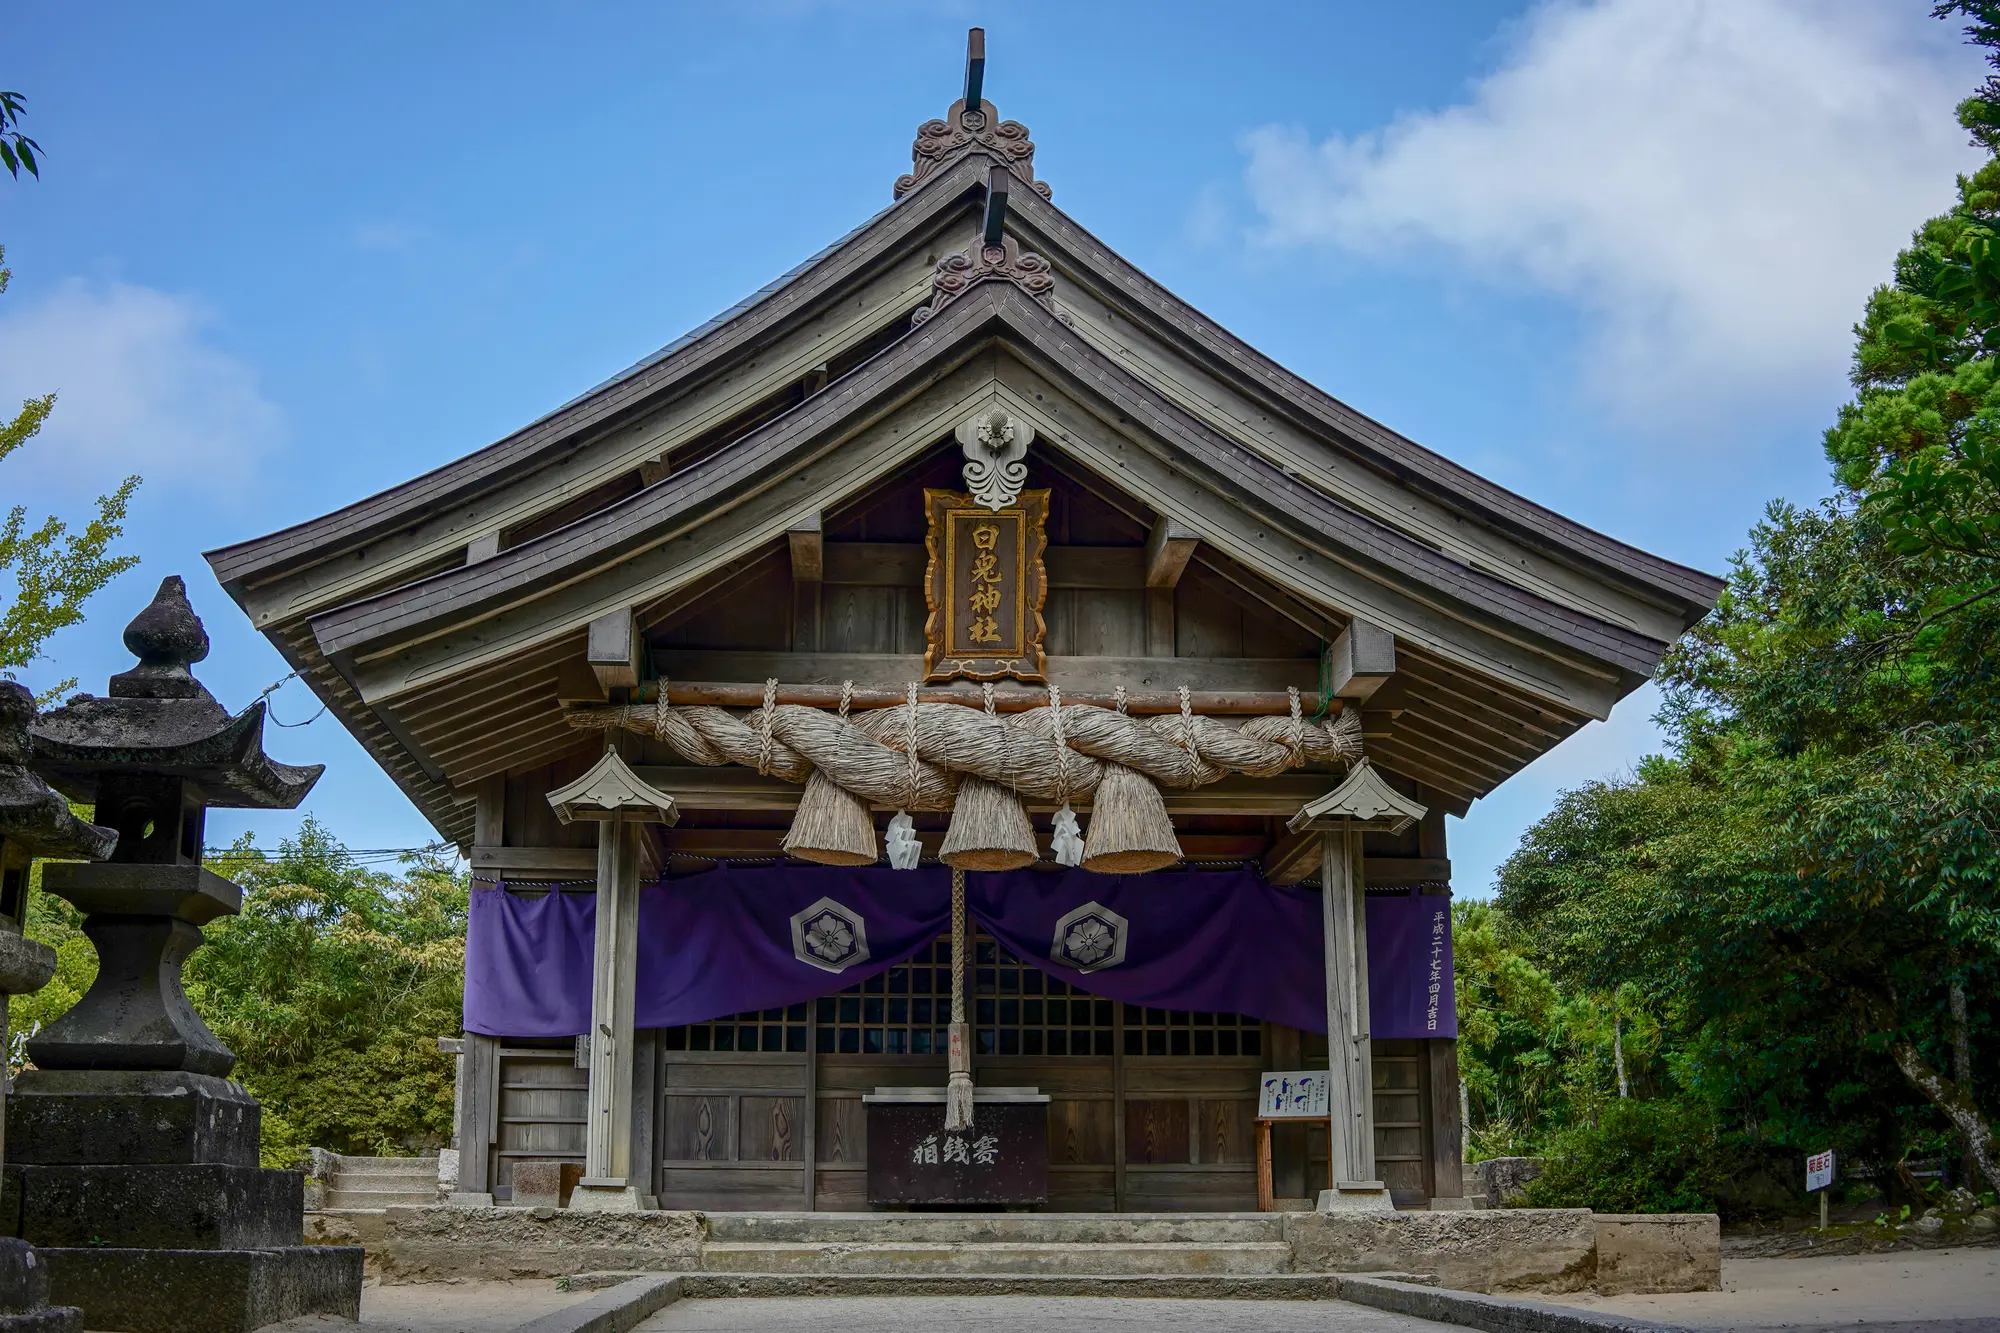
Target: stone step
[(372, 1180), (1256, 1286), (1060, 1258), (387, 1166), (978, 1228), (406, 1198)]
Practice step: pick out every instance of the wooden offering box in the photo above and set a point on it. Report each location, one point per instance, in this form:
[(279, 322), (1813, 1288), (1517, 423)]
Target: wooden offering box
[(1002, 1159)]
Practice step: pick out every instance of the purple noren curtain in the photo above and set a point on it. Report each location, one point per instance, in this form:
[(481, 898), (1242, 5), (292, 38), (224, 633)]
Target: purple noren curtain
[(732, 940)]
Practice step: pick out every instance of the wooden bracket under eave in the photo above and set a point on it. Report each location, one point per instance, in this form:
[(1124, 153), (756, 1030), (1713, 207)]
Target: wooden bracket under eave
[(1362, 658), (614, 648), (1168, 551), (808, 551)]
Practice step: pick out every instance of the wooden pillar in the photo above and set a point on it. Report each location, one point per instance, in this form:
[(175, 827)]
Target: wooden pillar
[(1351, 1082), (478, 1105), (1446, 1140), (608, 1183), (645, 1102)]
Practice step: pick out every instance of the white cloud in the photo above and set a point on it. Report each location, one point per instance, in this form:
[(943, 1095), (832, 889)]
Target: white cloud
[(138, 389), (1717, 184)]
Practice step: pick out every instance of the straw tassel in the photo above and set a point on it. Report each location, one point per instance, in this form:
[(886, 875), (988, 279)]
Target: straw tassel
[(958, 1088)]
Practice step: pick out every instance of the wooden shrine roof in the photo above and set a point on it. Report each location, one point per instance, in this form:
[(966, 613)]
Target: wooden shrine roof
[(440, 642)]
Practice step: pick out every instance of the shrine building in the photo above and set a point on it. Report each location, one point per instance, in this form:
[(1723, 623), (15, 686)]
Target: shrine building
[(958, 728)]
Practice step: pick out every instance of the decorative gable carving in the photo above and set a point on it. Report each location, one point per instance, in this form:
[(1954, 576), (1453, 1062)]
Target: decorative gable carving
[(1007, 261), (940, 142)]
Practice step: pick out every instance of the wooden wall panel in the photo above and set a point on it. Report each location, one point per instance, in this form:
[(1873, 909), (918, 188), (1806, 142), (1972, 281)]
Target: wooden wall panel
[(842, 1136), (871, 620), (1096, 622), (738, 1186), (770, 1129), (698, 1129), (1156, 1131), (1225, 1132), (1082, 1133)]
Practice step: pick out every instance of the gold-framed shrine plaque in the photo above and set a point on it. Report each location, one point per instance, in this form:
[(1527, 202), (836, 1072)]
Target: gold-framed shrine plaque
[(985, 586)]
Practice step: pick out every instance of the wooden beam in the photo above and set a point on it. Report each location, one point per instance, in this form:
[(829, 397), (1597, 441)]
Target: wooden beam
[(577, 683), (1228, 684), (536, 860), (1292, 858), (1168, 551), (725, 694), (724, 843), (902, 565), (694, 787), (614, 648), (490, 821), (1395, 872), (1364, 656), (808, 546)]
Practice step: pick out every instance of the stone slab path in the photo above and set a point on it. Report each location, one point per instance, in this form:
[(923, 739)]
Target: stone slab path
[(442, 1307), (1928, 1291), (979, 1314)]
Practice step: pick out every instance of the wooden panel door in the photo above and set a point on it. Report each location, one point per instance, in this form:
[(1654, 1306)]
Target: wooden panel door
[(541, 1112), (733, 1129)]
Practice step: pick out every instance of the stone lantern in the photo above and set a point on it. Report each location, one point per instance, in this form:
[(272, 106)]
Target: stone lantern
[(135, 1167), (34, 822)]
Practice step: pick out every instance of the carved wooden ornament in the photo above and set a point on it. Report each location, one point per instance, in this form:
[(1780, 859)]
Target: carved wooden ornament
[(985, 587)]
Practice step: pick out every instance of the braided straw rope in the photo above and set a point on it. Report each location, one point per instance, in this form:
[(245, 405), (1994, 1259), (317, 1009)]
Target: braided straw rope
[(908, 755)]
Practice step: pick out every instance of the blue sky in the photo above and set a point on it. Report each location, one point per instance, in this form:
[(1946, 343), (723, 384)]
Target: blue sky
[(283, 256)]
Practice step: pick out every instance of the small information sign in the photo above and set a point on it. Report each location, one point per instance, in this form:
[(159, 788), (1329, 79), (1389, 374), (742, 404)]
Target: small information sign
[(1819, 1171), (1300, 1094)]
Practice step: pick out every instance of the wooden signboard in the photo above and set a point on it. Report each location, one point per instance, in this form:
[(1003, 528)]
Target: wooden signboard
[(985, 587), (913, 1158), (1287, 1096)]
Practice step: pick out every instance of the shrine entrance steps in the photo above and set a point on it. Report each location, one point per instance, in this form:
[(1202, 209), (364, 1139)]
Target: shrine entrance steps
[(965, 1244), (377, 1182)]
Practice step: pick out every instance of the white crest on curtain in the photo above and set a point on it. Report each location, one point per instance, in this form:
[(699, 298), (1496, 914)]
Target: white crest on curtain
[(1089, 938), (829, 936)]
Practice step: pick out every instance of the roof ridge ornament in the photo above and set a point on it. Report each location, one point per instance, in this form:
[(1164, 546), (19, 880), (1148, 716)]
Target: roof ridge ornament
[(972, 124), (1007, 261)]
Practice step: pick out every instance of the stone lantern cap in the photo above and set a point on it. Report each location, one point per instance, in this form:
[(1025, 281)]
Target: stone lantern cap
[(158, 719), (31, 816)]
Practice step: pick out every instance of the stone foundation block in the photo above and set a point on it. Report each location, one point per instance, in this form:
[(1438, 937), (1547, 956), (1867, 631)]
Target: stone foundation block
[(1539, 1249), (436, 1244), (204, 1291), (24, 1294), (538, 1184), (199, 1207), (81, 1117), (1655, 1252)]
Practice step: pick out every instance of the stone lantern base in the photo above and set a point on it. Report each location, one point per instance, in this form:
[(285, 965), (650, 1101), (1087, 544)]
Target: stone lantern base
[(142, 1194)]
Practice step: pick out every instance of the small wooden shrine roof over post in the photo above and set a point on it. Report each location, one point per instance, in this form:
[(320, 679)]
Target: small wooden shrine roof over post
[(448, 622)]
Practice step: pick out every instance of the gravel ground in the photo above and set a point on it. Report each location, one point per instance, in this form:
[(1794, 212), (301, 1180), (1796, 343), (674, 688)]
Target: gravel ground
[(442, 1307), (1932, 1291), (976, 1314)]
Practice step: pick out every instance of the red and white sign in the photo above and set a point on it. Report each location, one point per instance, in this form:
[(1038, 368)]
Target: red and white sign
[(1819, 1171)]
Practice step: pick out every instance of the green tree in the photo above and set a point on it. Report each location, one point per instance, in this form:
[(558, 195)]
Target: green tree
[(332, 987)]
